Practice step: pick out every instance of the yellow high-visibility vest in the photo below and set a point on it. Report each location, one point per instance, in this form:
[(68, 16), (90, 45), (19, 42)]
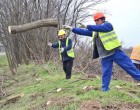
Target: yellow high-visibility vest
[(135, 55), (70, 53), (109, 40)]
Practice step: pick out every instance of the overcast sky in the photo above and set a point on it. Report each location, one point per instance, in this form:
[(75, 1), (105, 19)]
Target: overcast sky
[(125, 17)]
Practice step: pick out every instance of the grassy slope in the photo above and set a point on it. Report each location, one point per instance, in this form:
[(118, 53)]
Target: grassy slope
[(39, 87)]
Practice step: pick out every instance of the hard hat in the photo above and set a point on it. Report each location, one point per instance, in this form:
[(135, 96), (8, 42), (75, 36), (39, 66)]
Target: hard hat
[(61, 32), (98, 15)]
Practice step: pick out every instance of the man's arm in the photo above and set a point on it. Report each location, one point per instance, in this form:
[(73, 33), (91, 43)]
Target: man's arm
[(81, 31), (105, 27), (55, 45)]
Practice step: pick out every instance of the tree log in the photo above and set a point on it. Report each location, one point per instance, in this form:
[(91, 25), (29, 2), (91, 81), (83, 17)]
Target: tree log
[(11, 99), (33, 25)]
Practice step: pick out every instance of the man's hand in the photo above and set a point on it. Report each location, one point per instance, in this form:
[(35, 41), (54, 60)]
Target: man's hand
[(67, 27), (49, 44), (61, 50), (82, 25)]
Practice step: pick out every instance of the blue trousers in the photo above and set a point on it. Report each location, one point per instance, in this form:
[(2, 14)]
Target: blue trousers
[(123, 61)]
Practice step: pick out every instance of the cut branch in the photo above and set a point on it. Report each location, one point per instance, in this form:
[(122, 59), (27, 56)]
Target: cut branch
[(33, 25)]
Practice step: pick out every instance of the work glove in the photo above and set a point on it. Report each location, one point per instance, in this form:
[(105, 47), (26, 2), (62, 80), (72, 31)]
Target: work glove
[(61, 50), (82, 25), (49, 44), (67, 27)]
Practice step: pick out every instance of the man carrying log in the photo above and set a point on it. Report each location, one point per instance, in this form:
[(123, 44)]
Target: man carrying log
[(107, 47)]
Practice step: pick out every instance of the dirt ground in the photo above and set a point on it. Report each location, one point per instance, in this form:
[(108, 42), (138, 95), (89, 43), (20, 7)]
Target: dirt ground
[(90, 105)]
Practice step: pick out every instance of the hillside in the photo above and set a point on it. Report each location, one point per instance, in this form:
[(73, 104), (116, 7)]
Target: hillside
[(44, 87)]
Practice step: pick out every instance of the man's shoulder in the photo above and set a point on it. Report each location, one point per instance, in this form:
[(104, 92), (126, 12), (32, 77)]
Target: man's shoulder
[(106, 22)]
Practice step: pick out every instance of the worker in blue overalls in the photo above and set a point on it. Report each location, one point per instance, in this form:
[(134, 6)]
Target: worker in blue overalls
[(107, 47)]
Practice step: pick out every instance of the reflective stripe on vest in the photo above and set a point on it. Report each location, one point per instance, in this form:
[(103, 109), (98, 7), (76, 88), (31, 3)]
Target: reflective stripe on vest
[(135, 55), (93, 34), (70, 53), (109, 40)]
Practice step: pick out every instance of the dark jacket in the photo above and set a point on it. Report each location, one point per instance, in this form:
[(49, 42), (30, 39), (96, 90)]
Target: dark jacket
[(65, 57)]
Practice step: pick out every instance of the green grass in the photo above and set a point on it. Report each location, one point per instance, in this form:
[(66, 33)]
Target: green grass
[(3, 64), (39, 86), (3, 60)]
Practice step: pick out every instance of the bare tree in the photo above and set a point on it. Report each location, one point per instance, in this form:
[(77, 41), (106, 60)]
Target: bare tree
[(32, 45)]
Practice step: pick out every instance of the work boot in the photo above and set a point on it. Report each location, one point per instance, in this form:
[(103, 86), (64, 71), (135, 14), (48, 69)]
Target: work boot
[(68, 77)]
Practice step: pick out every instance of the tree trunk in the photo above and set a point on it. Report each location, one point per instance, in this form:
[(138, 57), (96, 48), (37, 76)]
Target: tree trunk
[(33, 25)]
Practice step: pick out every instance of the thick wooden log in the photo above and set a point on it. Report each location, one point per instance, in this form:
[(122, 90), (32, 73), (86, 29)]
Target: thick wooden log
[(33, 25), (11, 99)]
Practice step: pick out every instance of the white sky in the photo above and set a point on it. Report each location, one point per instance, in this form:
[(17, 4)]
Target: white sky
[(124, 16)]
